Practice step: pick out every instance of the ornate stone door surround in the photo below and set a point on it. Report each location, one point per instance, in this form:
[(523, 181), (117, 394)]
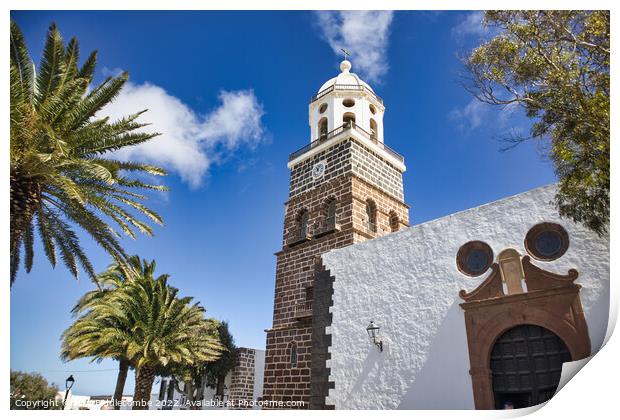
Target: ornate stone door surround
[(551, 301)]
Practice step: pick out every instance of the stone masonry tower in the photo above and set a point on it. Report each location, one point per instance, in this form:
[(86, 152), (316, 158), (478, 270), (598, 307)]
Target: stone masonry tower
[(346, 187)]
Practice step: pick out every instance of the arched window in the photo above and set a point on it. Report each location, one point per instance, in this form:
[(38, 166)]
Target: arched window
[(293, 354), (323, 128), (348, 119), (371, 216), (373, 129), (304, 216), (394, 221), (330, 217)]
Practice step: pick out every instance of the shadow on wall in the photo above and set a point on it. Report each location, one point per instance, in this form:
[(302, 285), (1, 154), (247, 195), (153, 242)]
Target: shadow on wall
[(598, 330), (444, 382), (373, 366)]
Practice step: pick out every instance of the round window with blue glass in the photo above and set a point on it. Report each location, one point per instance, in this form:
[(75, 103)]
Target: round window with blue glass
[(474, 258), (546, 241)]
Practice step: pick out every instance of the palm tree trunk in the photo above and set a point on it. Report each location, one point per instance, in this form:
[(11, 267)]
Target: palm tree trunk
[(200, 394), (189, 393), (144, 383), (123, 368), (219, 388)]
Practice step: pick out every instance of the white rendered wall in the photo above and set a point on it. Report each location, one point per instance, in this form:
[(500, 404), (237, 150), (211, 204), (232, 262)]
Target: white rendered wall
[(259, 373), (407, 283)]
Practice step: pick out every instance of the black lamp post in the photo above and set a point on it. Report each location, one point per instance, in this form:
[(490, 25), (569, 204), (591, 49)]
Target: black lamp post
[(68, 385), (373, 333)]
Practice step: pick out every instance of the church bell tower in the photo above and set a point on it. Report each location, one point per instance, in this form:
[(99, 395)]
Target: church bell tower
[(346, 186)]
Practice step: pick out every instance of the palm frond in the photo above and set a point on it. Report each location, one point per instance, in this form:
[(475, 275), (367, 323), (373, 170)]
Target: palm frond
[(52, 65), (20, 60), (45, 233), (61, 175), (87, 70), (29, 247), (95, 100)]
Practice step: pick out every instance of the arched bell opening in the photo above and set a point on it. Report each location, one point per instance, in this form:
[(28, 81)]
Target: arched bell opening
[(348, 119), (322, 128)]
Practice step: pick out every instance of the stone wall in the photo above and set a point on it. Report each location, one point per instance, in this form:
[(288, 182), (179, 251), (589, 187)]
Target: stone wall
[(295, 271), (348, 156), (321, 340), (373, 169), (242, 379), (296, 264), (337, 162)]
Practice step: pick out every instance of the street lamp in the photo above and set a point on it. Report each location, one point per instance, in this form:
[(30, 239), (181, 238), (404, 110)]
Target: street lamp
[(68, 385), (373, 333)]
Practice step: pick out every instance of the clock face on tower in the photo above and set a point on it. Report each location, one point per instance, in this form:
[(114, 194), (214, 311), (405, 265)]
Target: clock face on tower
[(318, 170)]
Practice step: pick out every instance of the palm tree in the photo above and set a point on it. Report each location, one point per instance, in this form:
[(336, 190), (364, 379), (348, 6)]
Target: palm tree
[(61, 172), (75, 345), (146, 321), (165, 329)]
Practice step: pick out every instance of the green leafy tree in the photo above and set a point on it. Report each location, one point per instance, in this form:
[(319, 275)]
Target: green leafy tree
[(30, 391), (61, 172), (217, 370), (210, 374), (76, 345), (145, 320), (555, 64)]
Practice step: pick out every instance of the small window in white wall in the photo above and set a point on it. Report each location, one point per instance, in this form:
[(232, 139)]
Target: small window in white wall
[(373, 110), (322, 108), (349, 103)]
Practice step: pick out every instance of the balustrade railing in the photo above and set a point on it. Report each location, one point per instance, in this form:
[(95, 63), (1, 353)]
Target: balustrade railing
[(332, 88), (299, 236), (329, 225), (304, 309), (350, 125)]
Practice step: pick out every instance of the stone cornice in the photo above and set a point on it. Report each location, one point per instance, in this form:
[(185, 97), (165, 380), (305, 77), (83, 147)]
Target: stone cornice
[(350, 134)]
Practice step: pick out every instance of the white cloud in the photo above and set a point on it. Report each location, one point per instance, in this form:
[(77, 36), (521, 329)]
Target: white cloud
[(470, 116), (364, 34), (190, 143), (469, 25), (475, 113)]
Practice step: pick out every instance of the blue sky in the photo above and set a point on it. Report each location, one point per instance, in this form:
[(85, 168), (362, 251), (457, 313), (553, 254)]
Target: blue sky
[(230, 92)]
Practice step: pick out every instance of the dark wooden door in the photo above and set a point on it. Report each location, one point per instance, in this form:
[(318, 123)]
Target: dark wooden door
[(526, 363)]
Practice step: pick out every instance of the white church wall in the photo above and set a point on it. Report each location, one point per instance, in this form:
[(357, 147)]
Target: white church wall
[(259, 372), (407, 283)]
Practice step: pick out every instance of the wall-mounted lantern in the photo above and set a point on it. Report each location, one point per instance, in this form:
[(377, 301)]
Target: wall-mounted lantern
[(373, 333)]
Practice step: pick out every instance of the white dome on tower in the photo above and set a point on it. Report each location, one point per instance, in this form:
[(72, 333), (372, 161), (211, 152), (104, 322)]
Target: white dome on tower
[(346, 107), (345, 78), (346, 103)]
